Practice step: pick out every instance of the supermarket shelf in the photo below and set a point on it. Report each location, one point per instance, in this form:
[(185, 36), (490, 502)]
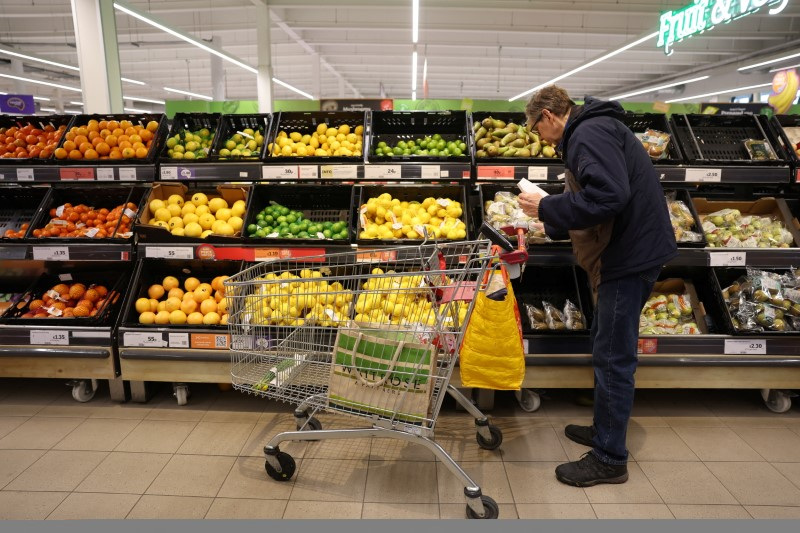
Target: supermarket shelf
[(538, 170), (369, 172), (228, 171), (67, 252), (55, 173), (50, 341), (238, 252)]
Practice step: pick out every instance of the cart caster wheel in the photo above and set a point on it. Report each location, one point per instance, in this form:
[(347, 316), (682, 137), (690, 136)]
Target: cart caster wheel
[(493, 442), (490, 510), (529, 401), (84, 390), (313, 424), (181, 394), (287, 467), (776, 401)]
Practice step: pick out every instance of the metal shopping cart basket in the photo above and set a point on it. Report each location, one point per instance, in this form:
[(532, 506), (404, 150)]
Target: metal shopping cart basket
[(372, 335)]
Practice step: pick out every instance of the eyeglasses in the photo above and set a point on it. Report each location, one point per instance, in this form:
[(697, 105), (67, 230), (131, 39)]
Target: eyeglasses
[(534, 126)]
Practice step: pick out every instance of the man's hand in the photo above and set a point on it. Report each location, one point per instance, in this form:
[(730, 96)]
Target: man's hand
[(529, 203)]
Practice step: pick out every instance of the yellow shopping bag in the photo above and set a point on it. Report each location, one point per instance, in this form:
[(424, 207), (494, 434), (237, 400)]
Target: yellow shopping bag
[(492, 354)]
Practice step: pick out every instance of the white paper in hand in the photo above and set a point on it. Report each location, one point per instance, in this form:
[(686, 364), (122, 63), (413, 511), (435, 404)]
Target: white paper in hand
[(531, 188)]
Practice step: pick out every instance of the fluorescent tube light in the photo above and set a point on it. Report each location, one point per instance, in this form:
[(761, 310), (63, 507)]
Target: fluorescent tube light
[(292, 88), (48, 109), (11, 52), (769, 62), (413, 95), (135, 110), (140, 99), (415, 21), (414, 71), (778, 69), (135, 82), (736, 90), (77, 103), (188, 93), (40, 82), (41, 98), (72, 112), (587, 65), (653, 89)]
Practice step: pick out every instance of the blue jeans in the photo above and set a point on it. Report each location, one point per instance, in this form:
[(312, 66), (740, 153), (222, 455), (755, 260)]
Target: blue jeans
[(615, 336)]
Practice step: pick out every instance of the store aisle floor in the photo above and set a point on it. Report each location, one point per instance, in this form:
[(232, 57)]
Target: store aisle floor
[(695, 454)]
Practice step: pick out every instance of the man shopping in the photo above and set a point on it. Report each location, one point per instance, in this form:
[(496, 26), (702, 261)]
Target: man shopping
[(613, 209)]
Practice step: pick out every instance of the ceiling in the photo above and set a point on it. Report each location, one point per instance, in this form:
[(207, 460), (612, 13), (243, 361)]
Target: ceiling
[(477, 49)]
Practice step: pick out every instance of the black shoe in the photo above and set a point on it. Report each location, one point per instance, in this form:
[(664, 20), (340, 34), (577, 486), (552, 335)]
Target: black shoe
[(590, 471), (580, 434)]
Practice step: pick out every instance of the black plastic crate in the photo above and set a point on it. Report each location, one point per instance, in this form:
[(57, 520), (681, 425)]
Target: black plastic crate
[(507, 117), (107, 197), (153, 271), (555, 285), (191, 122), (722, 278), (778, 124), (714, 139), (318, 203), (486, 193), (306, 123), (231, 124), (684, 196), (408, 193), (641, 122), (392, 127), (56, 121), (20, 205), (139, 119), (114, 281)]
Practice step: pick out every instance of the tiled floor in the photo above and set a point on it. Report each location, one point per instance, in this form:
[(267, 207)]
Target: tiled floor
[(694, 454)]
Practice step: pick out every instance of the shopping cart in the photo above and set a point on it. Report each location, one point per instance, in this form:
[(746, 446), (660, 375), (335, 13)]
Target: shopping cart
[(370, 334)]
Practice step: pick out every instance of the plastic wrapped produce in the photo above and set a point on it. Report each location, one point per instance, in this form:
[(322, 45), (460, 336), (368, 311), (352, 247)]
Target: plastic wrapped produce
[(504, 212), (655, 142), (668, 314), (573, 318), (727, 228), (761, 301), (549, 317), (682, 221)]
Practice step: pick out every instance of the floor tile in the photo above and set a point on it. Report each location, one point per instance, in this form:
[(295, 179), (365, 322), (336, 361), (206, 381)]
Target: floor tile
[(128, 410), (39, 433), (686, 483), (549, 511), (330, 480), (192, 475), (28, 505), (717, 444), (458, 511), (643, 511), (647, 422), (92, 506), (531, 444), (636, 490), (658, 444), (299, 510), (97, 434), (57, 471), (170, 507), (156, 436), (394, 511), (573, 450), (773, 444), (715, 512), (269, 425), (14, 462), (536, 482), (458, 440), (9, 424), (772, 421), (193, 411), (773, 512), (69, 408), (249, 479), (490, 477), (694, 422), (217, 438), (234, 406), (402, 482), (24, 410), (756, 483), (244, 509), (397, 450), (122, 472), (790, 471)]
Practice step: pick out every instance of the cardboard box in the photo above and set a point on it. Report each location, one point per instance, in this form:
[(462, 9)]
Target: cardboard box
[(162, 191), (765, 207), (683, 286)]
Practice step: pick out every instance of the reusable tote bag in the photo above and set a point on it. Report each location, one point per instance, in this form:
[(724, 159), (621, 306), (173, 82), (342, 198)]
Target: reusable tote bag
[(382, 373), (492, 353)]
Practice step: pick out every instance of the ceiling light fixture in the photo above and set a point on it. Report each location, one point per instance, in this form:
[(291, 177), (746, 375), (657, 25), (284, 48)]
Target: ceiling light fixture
[(293, 88), (135, 110), (140, 99), (414, 71), (40, 98), (48, 109), (736, 90), (587, 65), (72, 112), (653, 89), (135, 82), (41, 82), (771, 61), (77, 103), (415, 21), (188, 93), (413, 95), (11, 52)]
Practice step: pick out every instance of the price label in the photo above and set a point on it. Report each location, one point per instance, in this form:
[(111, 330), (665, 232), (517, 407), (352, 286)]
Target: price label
[(731, 259), (525, 345), (244, 174), (495, 173), (378, 172), (65, 277), (309, 172), (339, 172), (537, 173), (144, 340), (51, 253), (279, 173), (178, 340), (24, 174), (105, 174), (50, 337), (713, 175), (432, 172), (169, 173), (76, 173), (127, 174), (169, 252), (745, 347)]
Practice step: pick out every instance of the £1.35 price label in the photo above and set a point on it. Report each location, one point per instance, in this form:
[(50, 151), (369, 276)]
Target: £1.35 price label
[(49, 337), (50, 253)]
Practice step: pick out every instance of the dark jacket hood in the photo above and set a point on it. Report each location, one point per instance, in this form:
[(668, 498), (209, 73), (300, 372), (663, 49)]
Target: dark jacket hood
[(592, 107)]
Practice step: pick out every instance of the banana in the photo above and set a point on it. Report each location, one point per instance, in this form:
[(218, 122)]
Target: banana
[(783, 101)]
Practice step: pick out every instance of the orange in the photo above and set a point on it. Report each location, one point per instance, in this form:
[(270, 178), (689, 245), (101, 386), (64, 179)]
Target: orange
[(93, 126), (135, 138), (70, 136), (91, 154), (93, 135), (80, 139), (201, 294), (82, 131), (105, 133), (123, 138), (155, 291), (162, 317), (216, 283), (208, 306), (142, 305), (75, 154), (173, 304), (115, 154), (152, 126), (118, 132), (137, 145), (97, 140), (146, 135), (128, 153), (103, 124), (188, 306), (191, 284), (195, 318), (124, 144), (61, 153), (112, 140), (103, 148), (69, 146), (145, 318), (112, 125), (130, 130), (125, 124), (85, 146), (171, 282), (175, 293), (153, 304), (176, 317), (141, 153)]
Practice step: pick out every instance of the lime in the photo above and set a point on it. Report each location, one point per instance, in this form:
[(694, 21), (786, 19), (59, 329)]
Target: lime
[(462, 146), (261, 233), (402, 144), (327, 225), (284, 210), (281, 219), (291, 218), (406, 152), (338, 227), (262, 223), (437, 137), (327, 233), (433, 152), (456, 151), (441, 145), (397, 150), (381, 145), (252, 228)]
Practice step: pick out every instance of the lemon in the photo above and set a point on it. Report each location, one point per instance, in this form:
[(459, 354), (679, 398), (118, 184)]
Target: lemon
[(322, 128), (223, 214), (174, 210), (222, 228), (175, 222), (238, 208), (161, 224), (189, 218), (295, 136), (206, 233), (202, 210), (236, 223), (155, 205), (188, 209), (199, 199), (206, 221), (215, 204), (176, 199), (193, 229), (162, 214), (177, 231)]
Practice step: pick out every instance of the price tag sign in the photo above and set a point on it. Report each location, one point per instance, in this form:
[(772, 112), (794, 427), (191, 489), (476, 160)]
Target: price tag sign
[(745, 347), (50, 337), (24, 174), (729, 259), (169, 252), (525, 345), (309, 172), (169, 173), (76, 173), (339, 172), (50, 253), (537, 173), (105, 174), (178, 340), (127, 174), (279, 173), (381, 172), (704, 175), (432, 172), (144, 340), (495, 173)]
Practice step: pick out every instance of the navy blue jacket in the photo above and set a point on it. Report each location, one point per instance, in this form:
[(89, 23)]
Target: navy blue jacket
[(619, 183)]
